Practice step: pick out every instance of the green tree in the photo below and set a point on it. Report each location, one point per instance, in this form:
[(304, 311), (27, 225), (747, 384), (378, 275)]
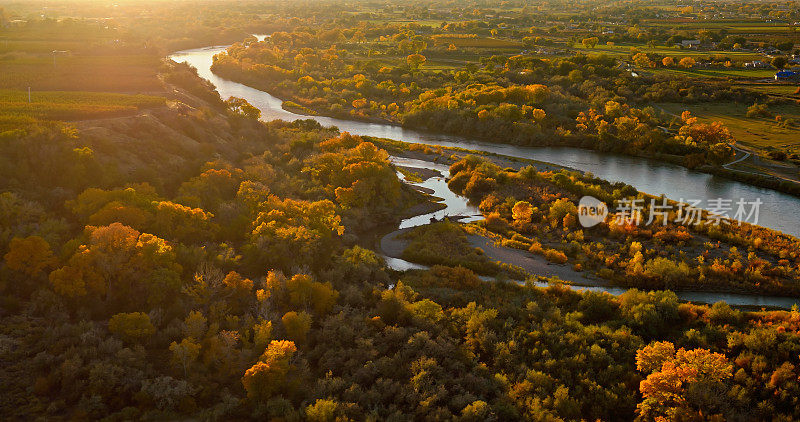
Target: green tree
[(297, 325), (779, 62), (241, 107), (132, 327)]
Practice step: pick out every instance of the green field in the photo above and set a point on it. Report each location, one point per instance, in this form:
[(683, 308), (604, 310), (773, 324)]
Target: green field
[(717, 72), (624, 50), (761, 133), (477, 42)]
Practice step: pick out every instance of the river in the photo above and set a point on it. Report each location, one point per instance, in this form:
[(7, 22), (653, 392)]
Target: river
[(777, 211)]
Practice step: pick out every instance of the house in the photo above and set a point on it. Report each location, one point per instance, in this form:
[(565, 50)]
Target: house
[(690, 43), (787, 75), (756, 64)]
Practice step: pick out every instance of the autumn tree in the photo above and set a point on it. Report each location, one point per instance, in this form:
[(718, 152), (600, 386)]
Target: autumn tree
[(240, 107), (682, 385), (272, 372), (590, 42), (305, 293), (185, 353), (291, 232), (132, 327), (642, 60), (687, 62), (30, 256), (121, 268), (415, 60), (297, 325)]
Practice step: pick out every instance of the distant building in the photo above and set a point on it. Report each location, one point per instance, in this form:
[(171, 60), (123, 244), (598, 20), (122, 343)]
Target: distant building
[(690, 43), (756, 64), (787, 75)]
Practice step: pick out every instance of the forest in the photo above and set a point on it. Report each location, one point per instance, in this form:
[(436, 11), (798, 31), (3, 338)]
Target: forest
[(166, 254)]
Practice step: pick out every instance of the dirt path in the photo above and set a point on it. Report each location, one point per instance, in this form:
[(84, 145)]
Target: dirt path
[(393, 246), (533, 264)]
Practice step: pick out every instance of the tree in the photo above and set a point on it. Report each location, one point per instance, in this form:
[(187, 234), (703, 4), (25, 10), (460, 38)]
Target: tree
[(684, 386), (241, 107), (306, 293), (590, 42), (668, 61), (427, 309), (297, 325), (181, 223), (416, 60), (262, 334), (195, 325), (560, 208), (30, 256), (642, 60), (687, 62), (779, 62), (239, 290), (132, 327), (185, 353), (652, 357), (120, 268), (269, 375), (522, 213), (322, 410), (705, 133), (296, 233)]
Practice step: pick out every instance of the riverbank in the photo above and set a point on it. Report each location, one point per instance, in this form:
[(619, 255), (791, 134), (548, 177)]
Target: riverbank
[(761, 180), (646, 175), (393, 244)]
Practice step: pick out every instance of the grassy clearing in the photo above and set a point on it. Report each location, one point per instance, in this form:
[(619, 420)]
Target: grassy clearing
[(478, 42), (773, 89), (761, 133), (718, 73)]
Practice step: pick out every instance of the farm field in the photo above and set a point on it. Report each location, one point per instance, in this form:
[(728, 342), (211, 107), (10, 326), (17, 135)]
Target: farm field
[(718, 72), (69, 105), (760, 133), (624, 50)]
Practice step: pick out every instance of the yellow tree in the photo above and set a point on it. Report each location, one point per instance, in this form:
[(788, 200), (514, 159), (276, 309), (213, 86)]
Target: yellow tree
[(522, 212), (590, 42), (30, 256), (669, 389), (416, 60), (270, 374), (121, 267)]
